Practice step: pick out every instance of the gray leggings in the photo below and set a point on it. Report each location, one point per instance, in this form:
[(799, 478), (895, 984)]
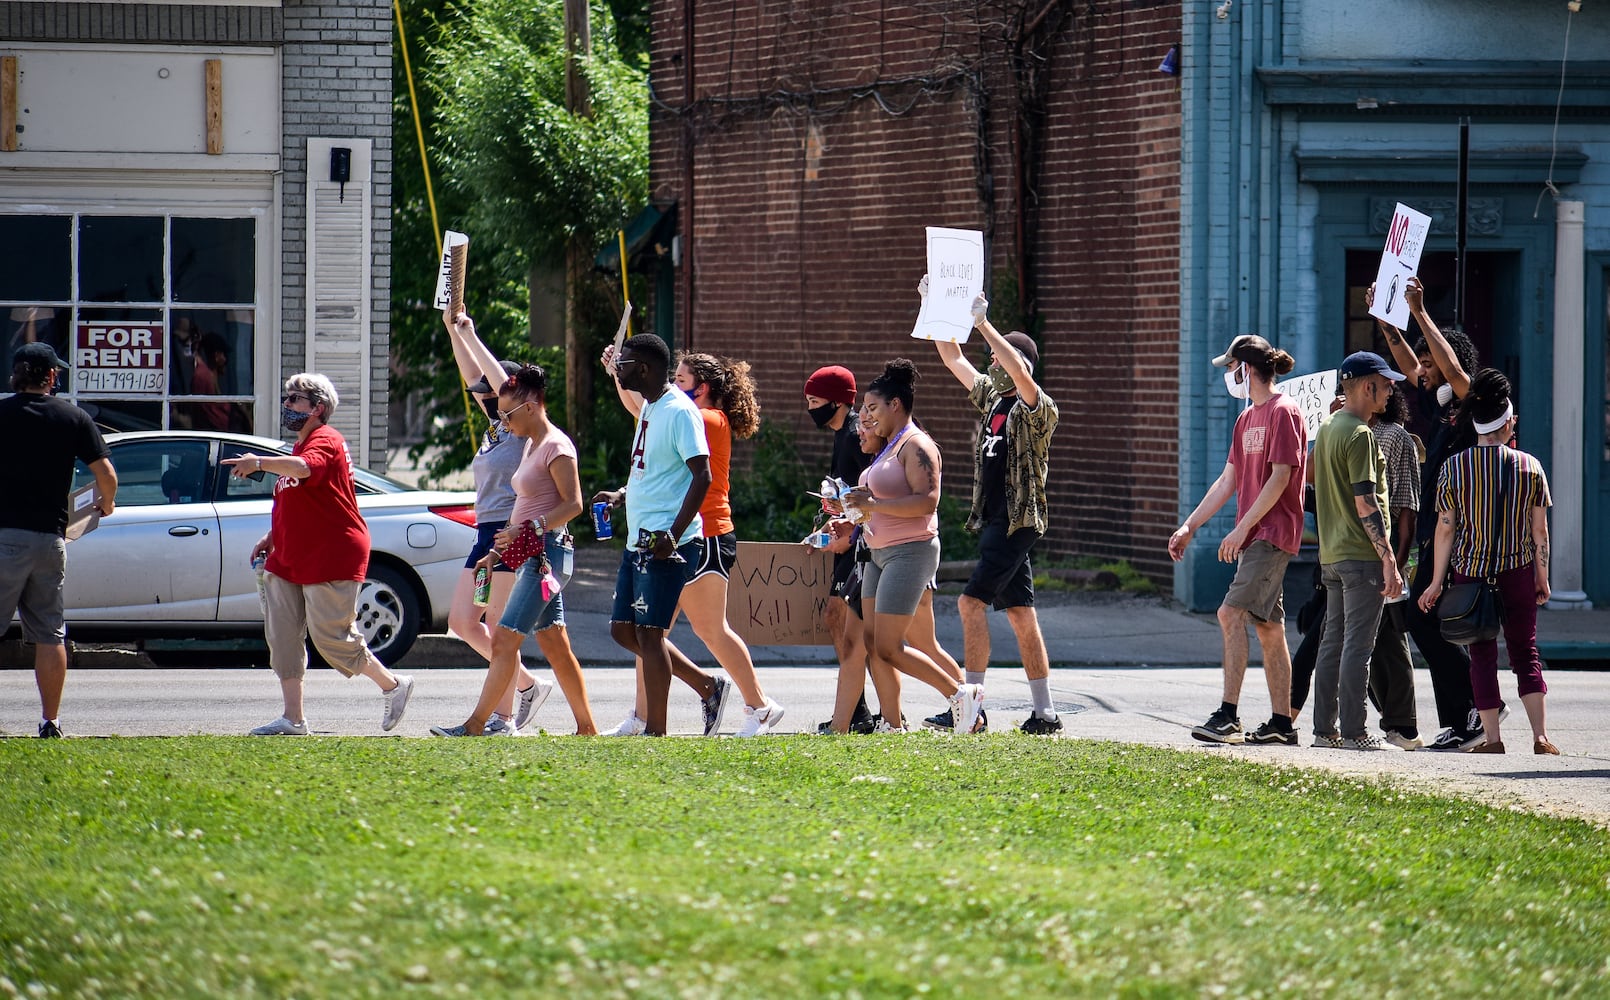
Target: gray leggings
[(897, 575)]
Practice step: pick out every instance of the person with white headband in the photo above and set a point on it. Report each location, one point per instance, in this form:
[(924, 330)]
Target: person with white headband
[(1492, 505)]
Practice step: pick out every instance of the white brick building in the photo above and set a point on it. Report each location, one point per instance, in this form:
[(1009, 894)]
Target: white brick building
[(171, 211)]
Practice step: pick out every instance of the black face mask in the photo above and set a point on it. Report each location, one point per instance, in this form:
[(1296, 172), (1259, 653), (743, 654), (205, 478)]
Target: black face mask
[(823, 415), (491, 408)]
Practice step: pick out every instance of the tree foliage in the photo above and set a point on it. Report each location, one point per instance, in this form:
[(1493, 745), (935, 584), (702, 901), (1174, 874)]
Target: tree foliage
[(514, 170)]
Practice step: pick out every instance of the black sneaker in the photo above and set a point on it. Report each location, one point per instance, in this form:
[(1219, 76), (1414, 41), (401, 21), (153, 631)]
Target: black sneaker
[(860, 725), (49, 731), (1220, 728), (715, 705), (1036, 725), (945, 722), (1267, 733)]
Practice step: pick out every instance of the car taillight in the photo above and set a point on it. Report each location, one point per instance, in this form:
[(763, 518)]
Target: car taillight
[(462, 513)]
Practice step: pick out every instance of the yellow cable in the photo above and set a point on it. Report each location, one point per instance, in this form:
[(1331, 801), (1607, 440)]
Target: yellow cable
[(430, 193), (626, 291)]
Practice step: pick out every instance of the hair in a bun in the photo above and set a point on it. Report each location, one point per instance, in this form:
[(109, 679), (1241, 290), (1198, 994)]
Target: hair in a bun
[(898, 381), (1490, 392)]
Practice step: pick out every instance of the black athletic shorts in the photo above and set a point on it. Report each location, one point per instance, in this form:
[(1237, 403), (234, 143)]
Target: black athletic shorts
[(1003, 577)]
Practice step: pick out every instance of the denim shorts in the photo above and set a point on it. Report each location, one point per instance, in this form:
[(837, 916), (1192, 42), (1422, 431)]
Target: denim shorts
[(528, 610), (484, 533), (32, 566), (647, 591)]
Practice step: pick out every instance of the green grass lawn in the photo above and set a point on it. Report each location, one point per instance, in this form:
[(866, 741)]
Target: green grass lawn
[(782, 867)]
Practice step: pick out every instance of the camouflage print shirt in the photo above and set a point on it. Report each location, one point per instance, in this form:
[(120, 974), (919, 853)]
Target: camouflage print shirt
[(1028, 440)]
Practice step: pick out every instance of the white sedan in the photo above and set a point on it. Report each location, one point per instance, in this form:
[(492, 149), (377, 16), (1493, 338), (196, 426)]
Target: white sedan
[(173, 559)]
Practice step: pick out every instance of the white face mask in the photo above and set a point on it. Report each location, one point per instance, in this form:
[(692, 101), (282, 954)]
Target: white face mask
[(1444, 394), (1235, 384)]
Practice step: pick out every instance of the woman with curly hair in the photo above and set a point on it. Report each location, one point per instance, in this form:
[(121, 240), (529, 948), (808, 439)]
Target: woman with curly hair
[(1492, 523), (901, 499), (725, 395)]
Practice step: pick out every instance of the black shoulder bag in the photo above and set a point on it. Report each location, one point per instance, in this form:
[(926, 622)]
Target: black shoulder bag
[(1474, 612)]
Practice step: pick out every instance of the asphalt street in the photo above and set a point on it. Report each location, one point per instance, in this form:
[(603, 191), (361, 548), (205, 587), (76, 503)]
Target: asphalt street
[(1146, 705)]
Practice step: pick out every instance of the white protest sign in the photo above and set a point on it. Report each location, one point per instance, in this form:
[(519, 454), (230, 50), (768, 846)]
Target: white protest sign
[(955, 277), (444, 272), (1399, 262), (1313, 395)]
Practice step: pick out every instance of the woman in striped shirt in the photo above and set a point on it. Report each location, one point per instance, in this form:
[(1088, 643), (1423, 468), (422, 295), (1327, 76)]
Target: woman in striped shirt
[(1493, 488)]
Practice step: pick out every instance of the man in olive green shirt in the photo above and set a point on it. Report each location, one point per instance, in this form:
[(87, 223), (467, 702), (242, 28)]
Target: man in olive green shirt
[(1356, 562)]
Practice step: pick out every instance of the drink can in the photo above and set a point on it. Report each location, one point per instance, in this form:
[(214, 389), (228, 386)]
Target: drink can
[(483, 586), (602, 528)]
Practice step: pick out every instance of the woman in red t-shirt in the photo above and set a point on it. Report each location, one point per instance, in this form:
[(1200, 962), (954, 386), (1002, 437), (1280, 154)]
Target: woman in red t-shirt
[(317, 551)]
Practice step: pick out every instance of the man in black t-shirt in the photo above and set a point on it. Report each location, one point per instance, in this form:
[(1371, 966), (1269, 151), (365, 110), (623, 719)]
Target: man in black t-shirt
[(1441, 364), (830, 400), (40, 437)]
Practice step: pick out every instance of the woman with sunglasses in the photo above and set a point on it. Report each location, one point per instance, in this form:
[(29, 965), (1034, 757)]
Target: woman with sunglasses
[(493, 468), (317, 551), (547, 496)]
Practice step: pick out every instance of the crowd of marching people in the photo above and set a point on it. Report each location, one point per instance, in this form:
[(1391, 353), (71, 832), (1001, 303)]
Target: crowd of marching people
[(1443, 542)]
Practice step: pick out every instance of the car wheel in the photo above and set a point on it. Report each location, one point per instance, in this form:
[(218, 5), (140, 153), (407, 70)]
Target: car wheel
[(388, 613)]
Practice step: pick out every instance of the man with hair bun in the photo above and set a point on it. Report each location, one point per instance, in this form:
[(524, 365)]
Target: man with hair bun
[(1265, 473)]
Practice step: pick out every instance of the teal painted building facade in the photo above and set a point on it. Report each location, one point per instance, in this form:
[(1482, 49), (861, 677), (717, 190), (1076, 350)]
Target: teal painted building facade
[(1305, 121)]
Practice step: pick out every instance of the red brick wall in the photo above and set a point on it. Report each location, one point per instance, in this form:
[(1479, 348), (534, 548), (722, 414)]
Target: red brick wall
[(807, 221)]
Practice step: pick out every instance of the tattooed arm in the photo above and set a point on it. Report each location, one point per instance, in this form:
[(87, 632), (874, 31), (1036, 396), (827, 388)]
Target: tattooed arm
[(1369, 514), (1540, 560), (1441, 554), (919, 459)]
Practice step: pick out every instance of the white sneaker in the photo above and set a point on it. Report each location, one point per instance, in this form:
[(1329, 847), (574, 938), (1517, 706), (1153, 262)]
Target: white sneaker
[(497, 726), (396, 702), (884, 727), (965, 705), (531, 699), (282, 727), (759, 720), (630, 726), (1401, 741)]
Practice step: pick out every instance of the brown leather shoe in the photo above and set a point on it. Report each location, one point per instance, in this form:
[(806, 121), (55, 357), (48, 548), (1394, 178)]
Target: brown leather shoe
[(1486, 747), (1544, 746)]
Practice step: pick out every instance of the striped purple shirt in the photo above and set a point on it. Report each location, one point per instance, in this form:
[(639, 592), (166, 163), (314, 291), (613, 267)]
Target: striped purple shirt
[(1469, 486)]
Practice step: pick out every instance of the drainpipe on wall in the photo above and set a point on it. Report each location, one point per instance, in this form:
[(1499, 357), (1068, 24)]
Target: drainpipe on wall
[(1565, 533)]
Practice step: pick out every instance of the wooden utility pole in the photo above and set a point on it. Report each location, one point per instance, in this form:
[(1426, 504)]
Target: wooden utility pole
[(578, 100)]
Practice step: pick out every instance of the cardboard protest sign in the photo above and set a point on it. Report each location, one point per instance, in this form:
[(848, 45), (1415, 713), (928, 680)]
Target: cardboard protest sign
[(955, 277), (120, 357), (83, 511), (1400, 261), (450, 278), (777, 593), (1313, 395), (620, 331)]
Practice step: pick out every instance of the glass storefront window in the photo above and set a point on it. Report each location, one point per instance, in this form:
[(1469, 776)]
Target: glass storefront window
[(156, 315)]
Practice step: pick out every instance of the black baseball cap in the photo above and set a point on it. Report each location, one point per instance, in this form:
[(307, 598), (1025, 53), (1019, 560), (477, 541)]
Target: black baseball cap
[(39, 354), (480, 385)]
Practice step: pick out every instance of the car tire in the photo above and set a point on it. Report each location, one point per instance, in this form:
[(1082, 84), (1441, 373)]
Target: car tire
[(388, 613)]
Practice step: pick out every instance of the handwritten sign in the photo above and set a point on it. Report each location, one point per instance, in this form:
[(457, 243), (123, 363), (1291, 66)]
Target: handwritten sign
[(119, 357), (955, 277), (777, 593), (444, 273), (1313, 395), (1400, 261)]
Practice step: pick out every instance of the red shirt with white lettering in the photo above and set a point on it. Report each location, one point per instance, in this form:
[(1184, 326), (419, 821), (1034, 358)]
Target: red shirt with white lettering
[(1271, 433), (317, 533)]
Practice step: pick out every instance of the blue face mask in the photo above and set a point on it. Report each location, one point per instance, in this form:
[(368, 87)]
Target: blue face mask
[(293, 420)]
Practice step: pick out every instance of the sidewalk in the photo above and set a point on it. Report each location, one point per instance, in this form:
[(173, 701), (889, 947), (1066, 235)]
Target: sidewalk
[(1081, 628)]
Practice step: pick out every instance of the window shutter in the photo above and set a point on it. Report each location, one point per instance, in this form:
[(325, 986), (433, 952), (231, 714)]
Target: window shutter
[(339, 258)]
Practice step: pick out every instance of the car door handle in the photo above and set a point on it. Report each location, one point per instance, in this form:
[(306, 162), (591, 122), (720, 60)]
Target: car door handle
[(184, 530)]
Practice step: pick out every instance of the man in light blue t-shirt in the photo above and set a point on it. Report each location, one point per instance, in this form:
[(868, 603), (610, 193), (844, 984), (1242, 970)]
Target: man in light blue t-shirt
[(670, 474)]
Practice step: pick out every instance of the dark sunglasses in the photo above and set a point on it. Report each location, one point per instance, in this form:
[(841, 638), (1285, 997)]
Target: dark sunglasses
[(292, 397)]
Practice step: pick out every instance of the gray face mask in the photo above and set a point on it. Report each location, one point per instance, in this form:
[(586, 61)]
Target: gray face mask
[(293, 420), (1000, 380)]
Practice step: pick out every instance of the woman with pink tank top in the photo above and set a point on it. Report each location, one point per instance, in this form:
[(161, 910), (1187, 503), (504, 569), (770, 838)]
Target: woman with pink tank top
[(901, 496)]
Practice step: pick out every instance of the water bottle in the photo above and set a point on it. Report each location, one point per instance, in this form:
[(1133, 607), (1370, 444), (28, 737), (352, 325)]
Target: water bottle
[(258, 562), (483, 586), (819, 540)]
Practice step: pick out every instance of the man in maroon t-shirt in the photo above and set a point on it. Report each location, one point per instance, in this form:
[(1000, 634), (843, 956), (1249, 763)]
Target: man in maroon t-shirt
[(1265, 474), (317, 551)]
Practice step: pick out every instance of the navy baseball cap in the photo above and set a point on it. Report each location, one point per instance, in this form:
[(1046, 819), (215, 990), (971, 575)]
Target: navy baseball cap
[(1362, 363), (481, 386)]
